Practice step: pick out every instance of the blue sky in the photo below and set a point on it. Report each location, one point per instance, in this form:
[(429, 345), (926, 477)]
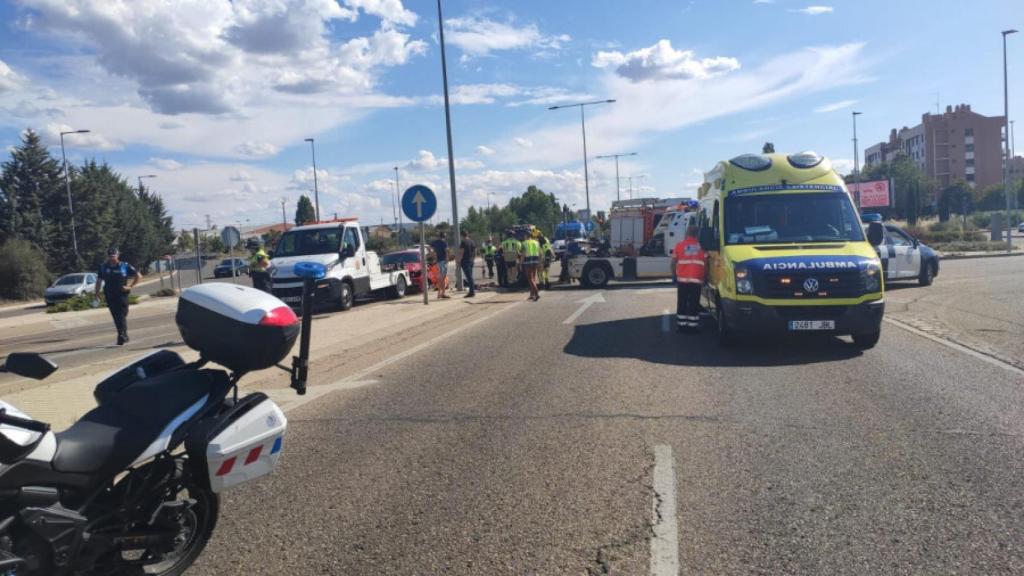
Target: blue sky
[(216, 97)]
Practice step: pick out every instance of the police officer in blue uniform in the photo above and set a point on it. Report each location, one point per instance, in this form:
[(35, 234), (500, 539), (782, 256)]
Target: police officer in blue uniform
[(117, 279)]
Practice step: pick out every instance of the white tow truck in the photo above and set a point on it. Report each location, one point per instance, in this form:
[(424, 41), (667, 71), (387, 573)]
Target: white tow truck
[(352, 270), (652, 261)]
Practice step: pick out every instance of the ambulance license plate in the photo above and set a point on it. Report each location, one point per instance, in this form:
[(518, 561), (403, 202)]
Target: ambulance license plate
[(291, 299), (812, 324)]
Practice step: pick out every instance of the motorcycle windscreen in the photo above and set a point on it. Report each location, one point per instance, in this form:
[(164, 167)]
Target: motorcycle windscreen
[(238, 327)]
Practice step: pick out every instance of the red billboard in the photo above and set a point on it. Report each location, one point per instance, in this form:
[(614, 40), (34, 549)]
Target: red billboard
[(874, 194)]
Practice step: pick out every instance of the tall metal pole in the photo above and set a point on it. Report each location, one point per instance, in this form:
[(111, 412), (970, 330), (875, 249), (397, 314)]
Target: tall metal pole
[(451, 155), (67, 185), (398, 195), (583, 129), (1006, 145), (284, 219), (618, 195), (856, 158), (316, 187)]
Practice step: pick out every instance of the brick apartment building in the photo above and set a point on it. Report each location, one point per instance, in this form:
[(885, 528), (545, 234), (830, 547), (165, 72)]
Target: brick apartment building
[(957, 145)]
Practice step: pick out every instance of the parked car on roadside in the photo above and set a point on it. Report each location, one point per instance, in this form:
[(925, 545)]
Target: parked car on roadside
[(69, 286), (223, 270), (410, 260), (906, 258), (1020, 227)]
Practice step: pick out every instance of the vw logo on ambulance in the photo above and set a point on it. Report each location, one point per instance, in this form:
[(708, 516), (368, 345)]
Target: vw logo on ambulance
[(811, 285)]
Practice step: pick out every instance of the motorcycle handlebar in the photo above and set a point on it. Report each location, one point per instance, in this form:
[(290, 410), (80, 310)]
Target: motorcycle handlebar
[(26, 423)]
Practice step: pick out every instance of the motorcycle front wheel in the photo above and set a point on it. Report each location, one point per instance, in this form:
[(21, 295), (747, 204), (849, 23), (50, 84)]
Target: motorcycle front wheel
[(196, 522)]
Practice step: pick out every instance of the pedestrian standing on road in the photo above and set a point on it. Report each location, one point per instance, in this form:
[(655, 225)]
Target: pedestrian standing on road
[(440, 248), (117, 278), (499, 260), (467, 255), (259, 270), (489, 253), (547, 255), (688, 262), (510, 248), (531, 264)]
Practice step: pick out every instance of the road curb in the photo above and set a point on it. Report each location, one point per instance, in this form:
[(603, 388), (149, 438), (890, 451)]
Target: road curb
[(976, 256)]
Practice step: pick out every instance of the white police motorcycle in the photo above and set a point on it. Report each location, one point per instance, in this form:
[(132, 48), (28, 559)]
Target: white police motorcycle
[(132, 487)]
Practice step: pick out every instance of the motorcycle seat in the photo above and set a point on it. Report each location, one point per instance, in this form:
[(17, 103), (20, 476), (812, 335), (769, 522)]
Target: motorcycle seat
[(112, 436)]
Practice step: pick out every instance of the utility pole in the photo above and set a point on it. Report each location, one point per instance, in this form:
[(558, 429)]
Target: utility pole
[(583, 127), (144, 176), (618, 196), (284, 219), (1006, 145), (67, 184), (316, 187), (856, 158), (451, 155)]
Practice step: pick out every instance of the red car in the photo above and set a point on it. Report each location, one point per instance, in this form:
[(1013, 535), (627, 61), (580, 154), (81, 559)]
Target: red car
[(410, 259)]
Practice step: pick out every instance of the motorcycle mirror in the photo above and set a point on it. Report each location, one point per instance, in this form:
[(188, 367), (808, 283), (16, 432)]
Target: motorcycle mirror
[(29, 365)]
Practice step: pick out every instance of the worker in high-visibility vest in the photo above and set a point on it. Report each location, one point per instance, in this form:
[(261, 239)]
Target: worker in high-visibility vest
[(511, 248), (531, 264), (547, 256), (489, 251), (688, 262)]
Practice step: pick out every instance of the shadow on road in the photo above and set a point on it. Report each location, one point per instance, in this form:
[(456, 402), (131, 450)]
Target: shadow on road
[(643, 339)]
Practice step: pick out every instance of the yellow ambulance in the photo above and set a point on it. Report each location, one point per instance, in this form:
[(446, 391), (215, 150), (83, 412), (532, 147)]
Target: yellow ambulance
[(787, 252)]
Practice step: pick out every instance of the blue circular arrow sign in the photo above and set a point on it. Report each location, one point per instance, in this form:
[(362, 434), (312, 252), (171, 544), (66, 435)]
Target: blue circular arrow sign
[(419, 203)]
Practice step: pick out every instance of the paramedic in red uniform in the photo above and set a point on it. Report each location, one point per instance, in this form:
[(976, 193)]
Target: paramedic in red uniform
[(688, 261)]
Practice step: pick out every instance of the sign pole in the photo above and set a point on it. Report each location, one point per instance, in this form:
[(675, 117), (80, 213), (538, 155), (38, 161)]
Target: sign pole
[(423, 265)]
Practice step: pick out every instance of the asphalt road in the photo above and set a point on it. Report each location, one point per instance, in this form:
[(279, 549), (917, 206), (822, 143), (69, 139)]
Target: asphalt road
[(507, 441)]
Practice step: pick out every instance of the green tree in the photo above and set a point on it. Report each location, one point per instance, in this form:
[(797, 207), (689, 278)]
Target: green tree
[(909, 184), (31, 185), (768, 148), (537, 208), (955, 198), (304, 211), (185, 241), (24, 270)]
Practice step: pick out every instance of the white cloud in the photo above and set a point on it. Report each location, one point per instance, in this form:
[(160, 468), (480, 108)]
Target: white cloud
[(482, 93), (668, 105), (842, 165), (480, 36), (833, 106), (8, 79), (257, 149), (814, 10), (223, 56), (89, 140), (242, 176), (388, 10), (425, 161), (661, 61), (484, 150), (523, 142), (166, 164)]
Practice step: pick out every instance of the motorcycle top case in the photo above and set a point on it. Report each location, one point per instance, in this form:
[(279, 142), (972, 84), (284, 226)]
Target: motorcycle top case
[(238, 327), (246, 444)]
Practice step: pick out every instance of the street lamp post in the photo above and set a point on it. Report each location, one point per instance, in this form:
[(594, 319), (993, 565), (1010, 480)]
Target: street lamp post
[(583, 126), (1006, 144), (618, 196), (316, 187), (856, 159), (67, 185), (140, 180), (448, 128), (284, 219), (398, 199)]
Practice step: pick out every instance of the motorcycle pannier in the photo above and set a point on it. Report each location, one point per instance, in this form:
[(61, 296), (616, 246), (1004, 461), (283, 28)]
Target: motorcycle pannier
[(245, 444), (238, 327)]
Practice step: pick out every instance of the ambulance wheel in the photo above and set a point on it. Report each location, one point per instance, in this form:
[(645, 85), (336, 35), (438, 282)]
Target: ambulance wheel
[(866, 341), (726, 336), (927, 274), (595, 276), (347, 298), (398, 290)]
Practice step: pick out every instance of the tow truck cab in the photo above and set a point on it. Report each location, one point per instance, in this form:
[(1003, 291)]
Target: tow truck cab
[(352, 270), (786, 250)]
